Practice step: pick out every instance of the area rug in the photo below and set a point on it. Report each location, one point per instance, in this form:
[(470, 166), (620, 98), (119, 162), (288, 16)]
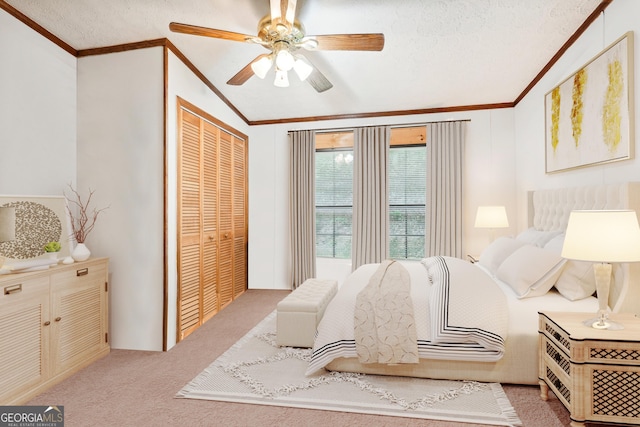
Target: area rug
[(256, 371)]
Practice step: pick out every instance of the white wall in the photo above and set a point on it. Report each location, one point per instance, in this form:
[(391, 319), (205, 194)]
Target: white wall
[(489, 179), (621, 16), (121, 158), (121, 135), (183, 83), (37, 112), (121, 154)]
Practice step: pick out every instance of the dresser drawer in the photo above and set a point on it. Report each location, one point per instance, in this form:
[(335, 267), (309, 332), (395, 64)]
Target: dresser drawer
[(556, 370), (80, 274), (555, 334), (16, 289), (608, 352)]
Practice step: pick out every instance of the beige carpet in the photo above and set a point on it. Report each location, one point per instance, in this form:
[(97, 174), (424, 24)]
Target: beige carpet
[(138, 388), (255, 370)]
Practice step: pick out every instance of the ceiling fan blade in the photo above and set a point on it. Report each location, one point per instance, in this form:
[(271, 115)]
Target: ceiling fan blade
[(319, 81), (290, 10), (283, 9), (209, 32), (245, 74), (344, 42)]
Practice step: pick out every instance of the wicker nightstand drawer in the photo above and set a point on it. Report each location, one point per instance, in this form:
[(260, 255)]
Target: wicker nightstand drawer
[(555, 334), (606, 352), (556, 370)]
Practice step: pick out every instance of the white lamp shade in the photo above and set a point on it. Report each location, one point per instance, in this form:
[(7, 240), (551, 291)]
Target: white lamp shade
[(262, 66), (302, 69), (285, 60), (602, 236), (282, 80), (491, 217), (7, 223)]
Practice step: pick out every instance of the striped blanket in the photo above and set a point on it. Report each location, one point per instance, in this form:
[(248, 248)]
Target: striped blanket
[(460, 313)]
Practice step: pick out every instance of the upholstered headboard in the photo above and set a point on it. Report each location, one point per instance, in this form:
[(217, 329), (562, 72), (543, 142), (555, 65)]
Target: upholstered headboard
[(549, 210)]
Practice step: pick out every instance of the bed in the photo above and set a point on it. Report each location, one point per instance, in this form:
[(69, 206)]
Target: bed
[(511, 355)]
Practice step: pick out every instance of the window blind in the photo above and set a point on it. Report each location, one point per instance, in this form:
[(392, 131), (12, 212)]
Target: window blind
[(407, 198), (334, 203)]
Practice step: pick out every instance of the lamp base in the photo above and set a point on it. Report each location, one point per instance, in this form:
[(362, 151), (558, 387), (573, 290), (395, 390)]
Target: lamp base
[(600, 323)]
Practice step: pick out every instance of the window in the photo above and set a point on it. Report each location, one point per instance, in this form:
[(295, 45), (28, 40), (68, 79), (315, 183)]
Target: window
[(334, 202), (407, 193), (407, 196)]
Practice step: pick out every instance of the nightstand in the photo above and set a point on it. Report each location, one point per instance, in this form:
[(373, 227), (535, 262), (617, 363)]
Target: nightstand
[(594, 373)]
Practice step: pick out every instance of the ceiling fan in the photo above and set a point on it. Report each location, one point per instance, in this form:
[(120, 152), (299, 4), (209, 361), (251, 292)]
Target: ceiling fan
[(283, 35)]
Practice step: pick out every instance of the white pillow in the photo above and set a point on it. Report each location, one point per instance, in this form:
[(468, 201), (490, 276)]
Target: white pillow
[(531, 271), (577, 280), (555, 245), (493, 255), (536, 237)]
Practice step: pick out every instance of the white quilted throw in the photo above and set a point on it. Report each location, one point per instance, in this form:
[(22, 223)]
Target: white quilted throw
[(464, 309), (384, 325)]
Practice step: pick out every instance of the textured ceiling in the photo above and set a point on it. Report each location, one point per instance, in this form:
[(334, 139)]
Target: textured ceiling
[(437, 53)]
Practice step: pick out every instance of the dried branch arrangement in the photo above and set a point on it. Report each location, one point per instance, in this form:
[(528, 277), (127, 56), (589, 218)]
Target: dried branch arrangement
[(85, 220)]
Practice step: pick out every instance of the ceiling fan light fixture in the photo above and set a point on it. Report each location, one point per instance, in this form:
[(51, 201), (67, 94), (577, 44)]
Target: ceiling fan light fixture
[(262, 66), (284, 60), (283, 35), (282, 80), (302, 69)]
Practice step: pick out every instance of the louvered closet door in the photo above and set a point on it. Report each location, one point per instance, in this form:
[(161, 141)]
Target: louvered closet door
[(210, 139), (225, 198), (189, 224), (212, 225), (239, 217)]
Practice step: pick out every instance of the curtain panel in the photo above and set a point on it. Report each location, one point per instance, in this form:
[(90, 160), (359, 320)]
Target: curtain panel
[(445, 161), (302, 149), (370, 239)]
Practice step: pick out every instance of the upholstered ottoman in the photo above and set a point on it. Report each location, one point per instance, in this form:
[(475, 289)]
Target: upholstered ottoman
[(299, 313)]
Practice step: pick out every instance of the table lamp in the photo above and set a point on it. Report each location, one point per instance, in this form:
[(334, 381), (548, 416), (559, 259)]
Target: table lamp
[(491, 217), (602, 237)]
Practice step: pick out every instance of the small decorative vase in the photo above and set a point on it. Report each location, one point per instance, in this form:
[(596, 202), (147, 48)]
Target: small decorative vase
[(53, 255), (80, 252)]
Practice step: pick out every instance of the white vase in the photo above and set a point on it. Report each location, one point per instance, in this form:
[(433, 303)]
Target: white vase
[(80, 252)]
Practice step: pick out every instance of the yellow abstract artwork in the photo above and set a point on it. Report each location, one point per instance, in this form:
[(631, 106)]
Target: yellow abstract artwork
[(588, 117)]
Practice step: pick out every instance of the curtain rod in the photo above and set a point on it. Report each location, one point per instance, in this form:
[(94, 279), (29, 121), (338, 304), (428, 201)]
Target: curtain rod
[(404, 125)]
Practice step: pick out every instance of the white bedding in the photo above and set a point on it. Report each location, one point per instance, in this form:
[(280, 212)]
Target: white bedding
[(449, 303), (523, 313), (520, 360)]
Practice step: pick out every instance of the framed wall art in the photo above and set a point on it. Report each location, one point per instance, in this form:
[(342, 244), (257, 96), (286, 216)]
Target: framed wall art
[(38, 221), (589, 116)]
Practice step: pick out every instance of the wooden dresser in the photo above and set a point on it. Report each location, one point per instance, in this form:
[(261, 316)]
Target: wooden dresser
[(53, 323), (594, 373)]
